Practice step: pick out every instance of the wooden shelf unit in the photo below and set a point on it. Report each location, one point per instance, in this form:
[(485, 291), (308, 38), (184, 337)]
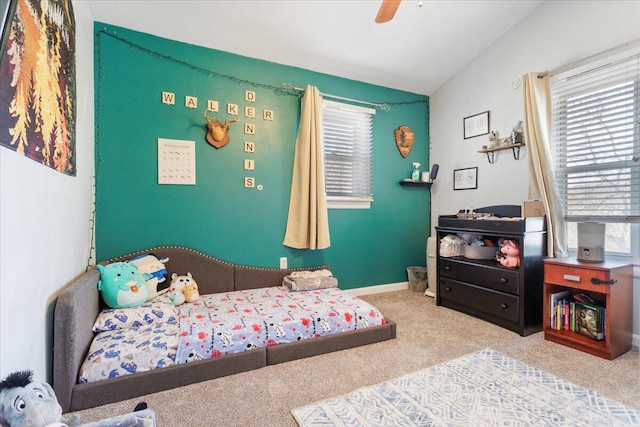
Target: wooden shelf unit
[(570, 274)]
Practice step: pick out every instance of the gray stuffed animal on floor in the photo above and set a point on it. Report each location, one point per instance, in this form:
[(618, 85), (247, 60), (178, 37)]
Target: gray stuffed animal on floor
[(24, 402), (27, 403)]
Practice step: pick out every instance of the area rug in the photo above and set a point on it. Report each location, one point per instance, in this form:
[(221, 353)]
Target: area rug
[(485, 388)]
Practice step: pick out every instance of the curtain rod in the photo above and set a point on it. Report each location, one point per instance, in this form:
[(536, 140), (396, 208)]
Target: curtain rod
[(385, 106), (600, 55)]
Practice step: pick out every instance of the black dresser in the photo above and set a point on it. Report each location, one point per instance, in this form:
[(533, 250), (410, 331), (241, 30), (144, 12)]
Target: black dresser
[(508, 297)]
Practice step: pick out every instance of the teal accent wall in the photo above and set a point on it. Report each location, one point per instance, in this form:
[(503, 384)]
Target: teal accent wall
[(218, 215)]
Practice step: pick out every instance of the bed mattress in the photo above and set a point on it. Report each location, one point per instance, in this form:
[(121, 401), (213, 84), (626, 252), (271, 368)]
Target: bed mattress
[(158, 334)]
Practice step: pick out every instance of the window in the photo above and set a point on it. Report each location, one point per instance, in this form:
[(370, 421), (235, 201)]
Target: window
[(595, 145), (347, 141)]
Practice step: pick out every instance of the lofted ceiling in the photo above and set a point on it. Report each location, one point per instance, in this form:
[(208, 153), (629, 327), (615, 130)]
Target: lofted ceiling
[(418, 51)]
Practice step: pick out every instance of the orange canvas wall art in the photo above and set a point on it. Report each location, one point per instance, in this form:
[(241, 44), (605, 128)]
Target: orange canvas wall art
[(37, 87)]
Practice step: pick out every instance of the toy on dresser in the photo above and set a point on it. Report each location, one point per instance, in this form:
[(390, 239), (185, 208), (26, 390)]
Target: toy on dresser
[(509, 253)]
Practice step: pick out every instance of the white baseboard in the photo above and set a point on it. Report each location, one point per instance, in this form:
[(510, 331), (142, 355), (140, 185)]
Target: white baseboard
[(635, 340), (378, 289)]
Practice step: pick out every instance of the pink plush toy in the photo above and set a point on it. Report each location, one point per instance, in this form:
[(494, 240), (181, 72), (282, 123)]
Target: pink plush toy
[(509, 254)]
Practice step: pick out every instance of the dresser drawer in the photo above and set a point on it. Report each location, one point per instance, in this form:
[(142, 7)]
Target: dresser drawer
[(494, 278), (571, 276), (494, 303)]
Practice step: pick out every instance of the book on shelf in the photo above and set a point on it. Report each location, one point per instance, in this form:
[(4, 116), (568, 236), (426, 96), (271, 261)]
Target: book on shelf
[(569, 313), (589, 320), (555, 307), (582, 297)]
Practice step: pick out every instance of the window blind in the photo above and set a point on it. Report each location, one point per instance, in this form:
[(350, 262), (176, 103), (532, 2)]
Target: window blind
[(595, 141), (347, 132)]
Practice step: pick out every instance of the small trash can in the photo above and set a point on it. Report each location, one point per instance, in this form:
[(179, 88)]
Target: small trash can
[(417, 278)]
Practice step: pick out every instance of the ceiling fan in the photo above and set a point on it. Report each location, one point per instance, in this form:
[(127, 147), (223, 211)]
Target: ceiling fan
[(387, 10)]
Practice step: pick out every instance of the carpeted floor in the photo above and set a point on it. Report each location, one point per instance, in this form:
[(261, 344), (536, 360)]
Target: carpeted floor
[(485, 388), (427, 335)]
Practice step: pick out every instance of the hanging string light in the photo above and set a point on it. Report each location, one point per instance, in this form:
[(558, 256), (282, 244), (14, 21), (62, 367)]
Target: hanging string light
[(285, 89)]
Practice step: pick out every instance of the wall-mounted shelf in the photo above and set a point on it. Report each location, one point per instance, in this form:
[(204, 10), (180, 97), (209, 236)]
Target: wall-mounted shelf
[(416, 184), (492, 151)]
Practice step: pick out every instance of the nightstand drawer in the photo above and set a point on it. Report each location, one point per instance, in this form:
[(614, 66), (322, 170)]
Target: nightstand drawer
[(494, 278), (494, 303), (572, 276)]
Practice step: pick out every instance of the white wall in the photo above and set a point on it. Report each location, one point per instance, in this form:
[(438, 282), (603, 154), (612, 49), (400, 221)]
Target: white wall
[(555, 34), (45, 230)]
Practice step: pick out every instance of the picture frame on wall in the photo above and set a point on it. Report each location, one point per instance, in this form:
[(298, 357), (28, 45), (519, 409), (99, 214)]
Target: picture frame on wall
[(465, 179), (476, 125)]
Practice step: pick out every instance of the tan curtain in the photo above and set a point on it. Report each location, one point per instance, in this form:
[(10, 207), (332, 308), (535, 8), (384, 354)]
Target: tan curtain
[(308, 220), (537, 130)]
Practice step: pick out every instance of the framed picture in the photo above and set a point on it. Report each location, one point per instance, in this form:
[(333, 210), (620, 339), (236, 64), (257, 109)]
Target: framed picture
[(465, 179), (476, 125)]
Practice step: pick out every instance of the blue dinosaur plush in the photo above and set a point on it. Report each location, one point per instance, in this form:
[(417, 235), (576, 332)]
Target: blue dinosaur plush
[(122, 285)]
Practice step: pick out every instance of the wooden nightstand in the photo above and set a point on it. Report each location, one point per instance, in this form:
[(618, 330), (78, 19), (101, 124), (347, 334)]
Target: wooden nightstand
[(609, 284)]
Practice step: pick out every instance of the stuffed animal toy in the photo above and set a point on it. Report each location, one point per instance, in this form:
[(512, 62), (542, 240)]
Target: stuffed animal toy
[(176, 296), (183, 289), (24, 402), (509, 254), (154, 272), (191, 293), (122, 286), (494, 141)]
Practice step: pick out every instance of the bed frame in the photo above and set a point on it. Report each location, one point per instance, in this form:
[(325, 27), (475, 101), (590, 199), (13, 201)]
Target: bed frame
[(79, 304)]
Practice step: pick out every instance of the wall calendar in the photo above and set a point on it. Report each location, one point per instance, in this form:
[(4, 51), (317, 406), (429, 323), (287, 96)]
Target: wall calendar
[(176, 162)]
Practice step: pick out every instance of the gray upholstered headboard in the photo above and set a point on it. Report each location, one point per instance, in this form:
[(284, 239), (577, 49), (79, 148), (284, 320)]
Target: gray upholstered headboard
[(78, 306), (211, 274)]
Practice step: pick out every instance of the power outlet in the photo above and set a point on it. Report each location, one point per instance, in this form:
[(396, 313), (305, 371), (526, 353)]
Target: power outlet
[(283, 262)]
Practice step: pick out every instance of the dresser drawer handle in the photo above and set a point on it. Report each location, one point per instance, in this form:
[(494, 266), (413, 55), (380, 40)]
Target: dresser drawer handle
[(504, 306), (571, 278), (503, 280), (447, 289), (446, 267)]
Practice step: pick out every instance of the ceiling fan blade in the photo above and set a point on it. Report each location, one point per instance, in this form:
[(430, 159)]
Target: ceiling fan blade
[(387, 10)]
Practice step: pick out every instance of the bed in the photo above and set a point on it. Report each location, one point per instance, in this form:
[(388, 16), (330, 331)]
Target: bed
[(80, 304)]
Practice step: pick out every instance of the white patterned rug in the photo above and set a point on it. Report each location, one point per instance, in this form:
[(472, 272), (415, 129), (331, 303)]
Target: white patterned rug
[(485, 388)]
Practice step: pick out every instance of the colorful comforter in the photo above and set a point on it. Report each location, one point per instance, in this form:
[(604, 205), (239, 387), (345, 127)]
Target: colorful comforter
[(232, 322), (157, 334)]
